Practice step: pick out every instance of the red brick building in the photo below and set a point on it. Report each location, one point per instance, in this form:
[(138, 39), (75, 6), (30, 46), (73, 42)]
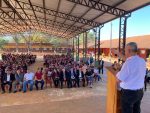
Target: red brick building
[(143, 43)]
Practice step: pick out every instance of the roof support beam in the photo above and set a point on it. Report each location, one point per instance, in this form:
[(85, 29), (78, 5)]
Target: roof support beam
[(49, 22), (13, 30), (115, 5), (59, 2), (101, 7), (24, 11), (4, 15), (67, 17), (14, 10), (33, 11), (58, 6), (80, 17), (0, 3), (59, 14), (44, 11)]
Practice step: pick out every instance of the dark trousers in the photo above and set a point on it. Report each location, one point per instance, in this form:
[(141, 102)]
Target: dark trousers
[(145, 85), (69, 83), (37, 82), (131, 101), (6, 83), (61, 83), (101, 70), (77, 82), (148, 79), (83, 82), (56, 82)]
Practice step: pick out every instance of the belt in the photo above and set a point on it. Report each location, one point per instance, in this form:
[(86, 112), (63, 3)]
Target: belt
[(141, 89)]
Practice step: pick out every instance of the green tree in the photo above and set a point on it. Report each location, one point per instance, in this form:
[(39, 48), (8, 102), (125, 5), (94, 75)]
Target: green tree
[(3, 42), (90, 38)]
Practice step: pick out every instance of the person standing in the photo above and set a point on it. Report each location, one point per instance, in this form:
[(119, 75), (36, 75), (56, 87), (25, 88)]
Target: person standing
[(77, 74), (68, 78), (73, 80), (55, 76), (61, 78), (91, 59), (131, 79), (101, 66)]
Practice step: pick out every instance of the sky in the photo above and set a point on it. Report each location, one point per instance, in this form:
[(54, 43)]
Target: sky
[(138, 24)]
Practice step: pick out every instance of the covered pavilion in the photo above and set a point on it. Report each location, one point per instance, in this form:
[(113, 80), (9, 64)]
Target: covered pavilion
[(67, 18)]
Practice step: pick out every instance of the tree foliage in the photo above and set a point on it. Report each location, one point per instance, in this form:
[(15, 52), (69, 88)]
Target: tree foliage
[(90, 38), (3, 42), (39, 37)]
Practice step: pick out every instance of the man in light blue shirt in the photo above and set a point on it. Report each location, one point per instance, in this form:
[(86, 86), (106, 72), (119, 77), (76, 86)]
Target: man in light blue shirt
[(28, 79), (131, 79)]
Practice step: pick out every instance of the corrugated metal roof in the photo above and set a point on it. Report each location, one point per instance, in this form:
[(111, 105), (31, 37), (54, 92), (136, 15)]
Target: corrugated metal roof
[(62, 18)]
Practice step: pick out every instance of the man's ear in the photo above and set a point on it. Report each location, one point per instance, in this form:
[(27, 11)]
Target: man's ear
[(129, 50)]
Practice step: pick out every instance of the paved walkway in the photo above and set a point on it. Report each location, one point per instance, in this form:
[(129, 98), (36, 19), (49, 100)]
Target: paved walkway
[(51, 100)]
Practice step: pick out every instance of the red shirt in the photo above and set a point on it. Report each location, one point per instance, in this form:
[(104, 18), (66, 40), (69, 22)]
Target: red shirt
[(38, 75)]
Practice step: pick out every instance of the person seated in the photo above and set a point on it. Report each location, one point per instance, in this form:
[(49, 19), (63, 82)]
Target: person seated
[(96, 75), (48, 76), (18, 80), (28, 79), (89, 76), (7, 79), (39, 78)]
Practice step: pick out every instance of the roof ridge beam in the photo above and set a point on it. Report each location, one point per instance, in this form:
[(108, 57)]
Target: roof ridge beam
[(101, 7)]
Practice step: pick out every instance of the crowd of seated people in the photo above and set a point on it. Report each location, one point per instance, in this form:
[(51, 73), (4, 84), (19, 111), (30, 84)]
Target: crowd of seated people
[(63, 70), (59, 71), (12, 70)]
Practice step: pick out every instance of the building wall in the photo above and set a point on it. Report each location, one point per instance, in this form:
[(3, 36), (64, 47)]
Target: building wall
[(144, 53)]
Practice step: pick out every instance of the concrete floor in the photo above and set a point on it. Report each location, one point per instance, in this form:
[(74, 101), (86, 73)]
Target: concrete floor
[(51, 100), (55, 101)]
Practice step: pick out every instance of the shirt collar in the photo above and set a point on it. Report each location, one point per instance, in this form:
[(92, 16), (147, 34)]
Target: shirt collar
[(132, 57)]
